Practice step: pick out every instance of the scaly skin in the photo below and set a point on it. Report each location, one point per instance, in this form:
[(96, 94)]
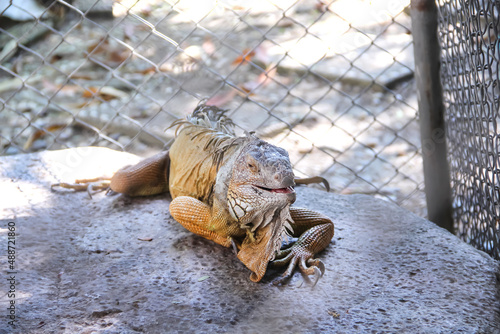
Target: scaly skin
[(235, 191)]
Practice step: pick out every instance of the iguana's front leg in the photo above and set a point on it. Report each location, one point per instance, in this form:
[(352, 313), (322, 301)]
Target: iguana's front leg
[(315, 231), (196, 217)]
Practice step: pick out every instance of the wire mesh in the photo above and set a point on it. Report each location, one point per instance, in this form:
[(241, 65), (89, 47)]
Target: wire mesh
[(469, 32), (331, 82)]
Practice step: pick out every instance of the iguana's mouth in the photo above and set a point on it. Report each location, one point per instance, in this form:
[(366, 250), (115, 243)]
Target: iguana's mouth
[(287, 190)]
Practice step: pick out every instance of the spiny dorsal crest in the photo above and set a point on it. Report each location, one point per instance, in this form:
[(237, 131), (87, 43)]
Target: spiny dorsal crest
[(212, 121), (212, 117)]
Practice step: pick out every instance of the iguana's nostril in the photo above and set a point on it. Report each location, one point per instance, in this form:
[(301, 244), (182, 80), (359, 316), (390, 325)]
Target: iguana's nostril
[(288, 181)]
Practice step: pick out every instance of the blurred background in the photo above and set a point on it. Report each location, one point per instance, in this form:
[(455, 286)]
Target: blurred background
[(329, 81)]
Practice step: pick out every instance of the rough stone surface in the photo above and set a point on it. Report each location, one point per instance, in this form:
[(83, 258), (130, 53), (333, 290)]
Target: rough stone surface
[(83, 268)]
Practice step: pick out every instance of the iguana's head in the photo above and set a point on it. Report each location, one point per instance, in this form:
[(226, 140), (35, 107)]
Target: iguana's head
[(259, 195), (262, 179)]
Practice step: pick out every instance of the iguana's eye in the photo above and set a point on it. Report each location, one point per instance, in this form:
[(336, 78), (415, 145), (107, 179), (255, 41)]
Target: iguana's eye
[(253, 168), (252, 164)]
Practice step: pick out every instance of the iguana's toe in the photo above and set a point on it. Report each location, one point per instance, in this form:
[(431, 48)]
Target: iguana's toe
[(314, 268), (301, 256), (92, 186)]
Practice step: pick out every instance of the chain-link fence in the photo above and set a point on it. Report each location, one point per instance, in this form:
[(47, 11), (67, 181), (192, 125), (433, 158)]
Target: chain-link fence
[(469, 32), (330, 81)]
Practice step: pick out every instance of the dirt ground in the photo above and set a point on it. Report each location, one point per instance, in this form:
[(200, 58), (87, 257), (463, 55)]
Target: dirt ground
[(332, 88)]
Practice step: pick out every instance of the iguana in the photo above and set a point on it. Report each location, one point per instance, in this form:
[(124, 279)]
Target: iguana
[(236, 191)]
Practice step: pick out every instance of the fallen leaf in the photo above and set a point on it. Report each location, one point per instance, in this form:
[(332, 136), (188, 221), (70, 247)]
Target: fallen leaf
[(110, 54), (99, 46), (202, 278), (111, 92), (166, 67), (41, 133), (81, 76), (245, 57), (17, 64), (54, 58), (146, 10), (89, 92), (119, 56), (149, 70), (321, 6), (145, 239), (333, 313), (248, 87), (106, 93)]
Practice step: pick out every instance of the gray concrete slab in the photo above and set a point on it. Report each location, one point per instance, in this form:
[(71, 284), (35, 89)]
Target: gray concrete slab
[(83, 266)]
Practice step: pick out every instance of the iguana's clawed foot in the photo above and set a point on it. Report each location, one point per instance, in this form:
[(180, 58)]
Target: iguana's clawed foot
[(298, 254), (92, 186), (235, 247)]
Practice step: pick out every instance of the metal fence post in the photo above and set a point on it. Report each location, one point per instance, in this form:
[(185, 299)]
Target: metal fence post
[(431, 112)]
